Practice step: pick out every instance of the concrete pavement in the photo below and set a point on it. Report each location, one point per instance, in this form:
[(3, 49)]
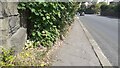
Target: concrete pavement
[(76, 49)]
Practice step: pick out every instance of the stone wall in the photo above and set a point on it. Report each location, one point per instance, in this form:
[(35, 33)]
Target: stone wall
[(12, 34)]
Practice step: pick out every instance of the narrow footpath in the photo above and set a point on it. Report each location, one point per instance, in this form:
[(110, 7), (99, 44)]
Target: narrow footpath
[(76, 49)]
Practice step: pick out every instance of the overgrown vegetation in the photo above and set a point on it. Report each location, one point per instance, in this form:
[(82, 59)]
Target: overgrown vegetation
[(110, 10), (94, 8), (103, 8), (29, 56), (7, 57), (47, 21), (90, 9)]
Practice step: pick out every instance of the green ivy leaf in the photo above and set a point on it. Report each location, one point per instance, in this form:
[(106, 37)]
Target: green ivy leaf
[(59, 15), (48, 17), (33, 33), (41, 14), (33, 10), (39, 34), (43, 18)]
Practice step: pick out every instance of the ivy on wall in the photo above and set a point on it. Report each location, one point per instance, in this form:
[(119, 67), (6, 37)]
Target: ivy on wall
[(46, 21)]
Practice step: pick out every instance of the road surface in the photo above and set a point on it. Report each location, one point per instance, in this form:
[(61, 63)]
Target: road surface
[(105, 31)]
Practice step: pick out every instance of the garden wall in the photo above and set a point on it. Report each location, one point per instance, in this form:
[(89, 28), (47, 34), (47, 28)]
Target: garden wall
[(12, 34)]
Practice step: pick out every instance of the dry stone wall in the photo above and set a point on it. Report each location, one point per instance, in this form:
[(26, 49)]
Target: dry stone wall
[(12, 35)]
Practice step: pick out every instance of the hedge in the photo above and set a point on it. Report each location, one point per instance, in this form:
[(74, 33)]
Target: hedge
[(110, 10), (47, 21)]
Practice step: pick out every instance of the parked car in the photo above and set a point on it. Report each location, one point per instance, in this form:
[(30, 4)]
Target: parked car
[(78, 13), (82, 14)]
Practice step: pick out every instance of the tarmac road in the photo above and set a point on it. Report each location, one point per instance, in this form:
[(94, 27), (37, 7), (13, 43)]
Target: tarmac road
[(105, 31)]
